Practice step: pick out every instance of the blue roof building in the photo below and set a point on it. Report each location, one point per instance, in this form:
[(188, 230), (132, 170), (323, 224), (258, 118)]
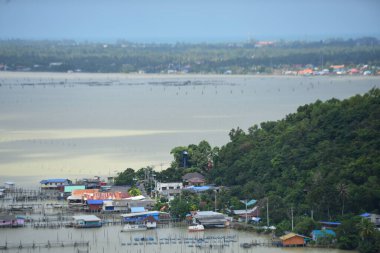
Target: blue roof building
[(330, 224), (55, 183), (137, 209), (140, 216), (318, 234)]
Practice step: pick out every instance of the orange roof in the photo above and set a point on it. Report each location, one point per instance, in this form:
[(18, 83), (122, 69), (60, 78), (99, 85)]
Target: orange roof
[(337, 66), (107, 195), (290, 235), (83, 192), (305, 72)]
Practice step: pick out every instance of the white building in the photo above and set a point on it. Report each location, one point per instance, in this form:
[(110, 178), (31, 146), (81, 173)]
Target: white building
[(169, 190)]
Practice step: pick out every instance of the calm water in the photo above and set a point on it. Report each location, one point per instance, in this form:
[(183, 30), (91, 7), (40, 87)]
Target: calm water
[(72, 125), (110, 239)]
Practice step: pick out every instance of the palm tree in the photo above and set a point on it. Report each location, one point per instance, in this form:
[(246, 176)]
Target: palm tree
[(343, 192), (366, 228)]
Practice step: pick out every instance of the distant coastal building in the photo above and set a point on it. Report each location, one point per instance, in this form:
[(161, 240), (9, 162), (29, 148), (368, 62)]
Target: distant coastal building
[(169, 190), (320, 234), (139, 217), (87, 221), (55, 184), (249, 213), (195, 178), (374, 218), (10, 221), (209, 219), (9, 186), (292, 240), (264, 43)]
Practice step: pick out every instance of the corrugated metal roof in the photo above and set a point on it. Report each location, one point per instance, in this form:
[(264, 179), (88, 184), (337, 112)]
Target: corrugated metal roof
[(142, 213), (207, 213), (70, 188), (86, 217), (83, 192), (290, 235), (94, 202), (332, 223), (54, 180), (322, 233), (198, 188), (192, 175), (240, 212), (137, 209)]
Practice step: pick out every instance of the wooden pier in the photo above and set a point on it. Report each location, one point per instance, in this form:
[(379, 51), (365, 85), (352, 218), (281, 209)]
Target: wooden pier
[(48, 244)]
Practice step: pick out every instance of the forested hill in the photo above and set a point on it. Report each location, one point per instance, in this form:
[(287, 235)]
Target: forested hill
[(325, 159)]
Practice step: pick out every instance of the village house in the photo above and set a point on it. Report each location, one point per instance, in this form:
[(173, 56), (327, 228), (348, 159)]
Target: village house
[(9, 186), (139, 217), (86, 221), (317, 235), (11, 221), (92, 183), (55, 184), (125, 205), (94, 205), (194, 178), (246, 214), (374, 218), (293, 240), (209, 219), (169, 190)]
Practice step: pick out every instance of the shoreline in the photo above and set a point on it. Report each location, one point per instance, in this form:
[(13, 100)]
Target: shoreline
[(89, 75)]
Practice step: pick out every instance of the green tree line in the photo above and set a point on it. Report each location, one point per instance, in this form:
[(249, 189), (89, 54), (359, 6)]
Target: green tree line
[(242, 58)]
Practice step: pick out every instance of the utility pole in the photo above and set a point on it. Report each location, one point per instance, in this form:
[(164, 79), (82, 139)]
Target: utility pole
[(292, 218), (246, 212), (215, 201), (268, 212)]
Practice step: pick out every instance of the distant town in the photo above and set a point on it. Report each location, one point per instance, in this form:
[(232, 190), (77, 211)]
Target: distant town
[(326, 57)]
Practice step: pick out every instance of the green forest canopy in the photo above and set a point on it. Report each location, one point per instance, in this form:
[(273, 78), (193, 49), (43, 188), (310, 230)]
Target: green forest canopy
[(239, 58), (324, 158)]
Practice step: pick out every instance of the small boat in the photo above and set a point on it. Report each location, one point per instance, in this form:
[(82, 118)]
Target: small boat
[(195, 228), (246, 245), (131, 228)]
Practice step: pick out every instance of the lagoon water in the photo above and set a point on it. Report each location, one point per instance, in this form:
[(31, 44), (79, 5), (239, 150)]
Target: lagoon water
[(74, 125), (110, 239)]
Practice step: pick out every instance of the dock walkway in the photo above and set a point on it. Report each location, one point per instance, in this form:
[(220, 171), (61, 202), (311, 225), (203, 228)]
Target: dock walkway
[(48, 244)]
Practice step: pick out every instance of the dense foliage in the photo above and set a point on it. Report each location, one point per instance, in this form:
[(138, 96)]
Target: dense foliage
[(323, 160), (239, 58), (320, 163)]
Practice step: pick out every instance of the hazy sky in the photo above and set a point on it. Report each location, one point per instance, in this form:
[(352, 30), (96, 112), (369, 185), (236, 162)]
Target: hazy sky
[(190, 20)]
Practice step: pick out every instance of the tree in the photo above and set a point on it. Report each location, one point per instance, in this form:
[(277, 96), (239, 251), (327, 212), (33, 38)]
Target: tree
[(179, 208), (366, 228), (305, 226), (134, 191), (343, 193), (348, 233), (127, 177), (369, 237)]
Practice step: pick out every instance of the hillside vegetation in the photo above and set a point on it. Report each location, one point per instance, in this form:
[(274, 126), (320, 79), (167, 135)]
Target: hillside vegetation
[(323, 160)]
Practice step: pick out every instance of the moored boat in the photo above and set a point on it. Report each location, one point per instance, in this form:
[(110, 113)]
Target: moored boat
[(196, 228), (134, 227)]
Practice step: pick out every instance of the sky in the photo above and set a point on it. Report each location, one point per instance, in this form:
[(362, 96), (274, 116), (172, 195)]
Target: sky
[(188, 21)]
